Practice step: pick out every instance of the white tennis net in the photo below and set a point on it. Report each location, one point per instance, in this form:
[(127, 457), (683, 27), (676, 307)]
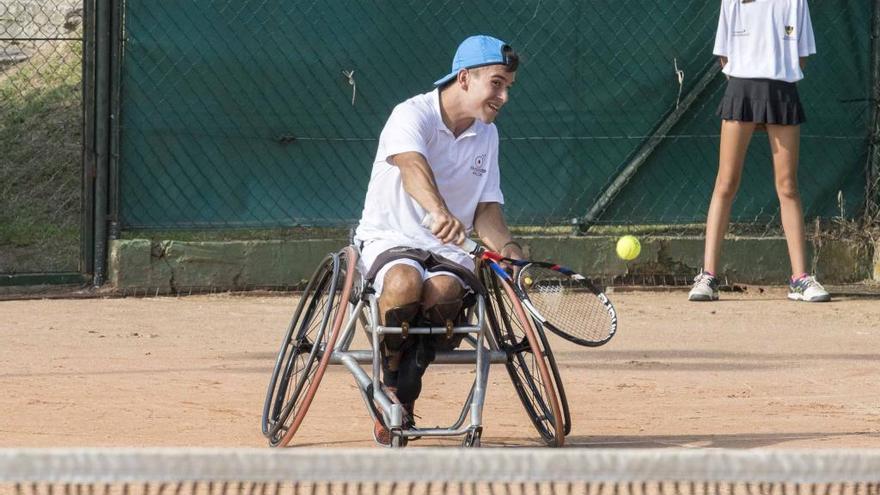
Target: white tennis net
[(343, 471)]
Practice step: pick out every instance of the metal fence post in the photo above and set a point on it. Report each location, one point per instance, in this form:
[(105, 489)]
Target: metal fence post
[(116, 57), (102, 135), (87, 241)]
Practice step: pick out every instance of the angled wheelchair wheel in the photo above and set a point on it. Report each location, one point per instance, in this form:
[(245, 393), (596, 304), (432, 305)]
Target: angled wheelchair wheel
[(307, 346), (557, 379), (530, 362)]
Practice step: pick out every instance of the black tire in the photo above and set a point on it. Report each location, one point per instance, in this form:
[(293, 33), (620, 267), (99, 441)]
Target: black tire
[(306, 348), (530, 362), (557, 380)]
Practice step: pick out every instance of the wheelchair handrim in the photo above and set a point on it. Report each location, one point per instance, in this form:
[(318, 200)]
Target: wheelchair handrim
[(286, 355), (350, 256)]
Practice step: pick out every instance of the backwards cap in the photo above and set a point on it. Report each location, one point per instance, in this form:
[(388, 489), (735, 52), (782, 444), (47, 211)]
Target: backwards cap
[(476, 51)]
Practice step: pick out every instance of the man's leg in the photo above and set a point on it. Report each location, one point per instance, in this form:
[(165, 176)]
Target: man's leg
[(444, 307), (441, 301), (401, 291), (402, 286), (398, 305), (441, 292)]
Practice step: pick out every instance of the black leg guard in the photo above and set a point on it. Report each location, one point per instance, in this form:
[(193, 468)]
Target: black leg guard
[(413, 364), (393, 346), (442, 312), (416, 359), (445, 313), (396, 316)]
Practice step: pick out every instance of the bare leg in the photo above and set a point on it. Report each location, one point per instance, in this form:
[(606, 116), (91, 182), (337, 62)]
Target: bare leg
[(437, 293), (402, 285), (785, 144), (439, 289), (401, 291), (735, 137)]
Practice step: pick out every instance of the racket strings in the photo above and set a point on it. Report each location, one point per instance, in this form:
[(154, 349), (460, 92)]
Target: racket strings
[(568, 304)]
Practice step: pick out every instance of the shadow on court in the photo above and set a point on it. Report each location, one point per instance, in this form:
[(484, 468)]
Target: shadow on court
[(734, 441)]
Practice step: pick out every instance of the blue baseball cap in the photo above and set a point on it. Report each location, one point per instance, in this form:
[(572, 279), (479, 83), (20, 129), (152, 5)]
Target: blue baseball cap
[(476, 51)]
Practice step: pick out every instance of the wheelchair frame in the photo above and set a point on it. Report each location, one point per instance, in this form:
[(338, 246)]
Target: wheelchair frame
[(497, 331)]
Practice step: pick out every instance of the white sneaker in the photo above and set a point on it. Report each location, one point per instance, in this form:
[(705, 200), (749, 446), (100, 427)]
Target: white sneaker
[(807, 289), (705, 288)]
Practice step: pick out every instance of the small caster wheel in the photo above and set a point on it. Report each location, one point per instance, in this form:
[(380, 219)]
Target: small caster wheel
[(472, 439)]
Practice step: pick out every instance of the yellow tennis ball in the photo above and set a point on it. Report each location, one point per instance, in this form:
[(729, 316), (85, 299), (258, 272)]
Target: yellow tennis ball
[(528, 281), (628, 247)]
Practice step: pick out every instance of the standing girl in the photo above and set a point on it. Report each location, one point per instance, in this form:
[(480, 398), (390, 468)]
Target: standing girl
[(763, 45)]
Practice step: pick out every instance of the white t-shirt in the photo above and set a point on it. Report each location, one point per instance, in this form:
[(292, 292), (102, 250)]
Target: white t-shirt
[(765, 38), (465, 169)]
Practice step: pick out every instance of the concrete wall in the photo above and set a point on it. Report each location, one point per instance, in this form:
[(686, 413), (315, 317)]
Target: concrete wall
[(876, 277), (169, 266)]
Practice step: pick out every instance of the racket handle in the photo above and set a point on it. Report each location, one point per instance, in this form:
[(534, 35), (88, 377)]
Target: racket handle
[(468, 244), (427, 220)]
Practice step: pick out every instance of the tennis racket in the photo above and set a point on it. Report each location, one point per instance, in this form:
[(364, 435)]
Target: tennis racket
[(562, 300)]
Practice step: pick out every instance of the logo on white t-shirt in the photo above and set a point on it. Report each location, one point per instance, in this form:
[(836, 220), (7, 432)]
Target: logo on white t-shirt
[(478, 168), (789, 31)]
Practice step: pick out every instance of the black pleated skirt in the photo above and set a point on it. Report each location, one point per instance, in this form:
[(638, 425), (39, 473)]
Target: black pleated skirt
[(766, 101)]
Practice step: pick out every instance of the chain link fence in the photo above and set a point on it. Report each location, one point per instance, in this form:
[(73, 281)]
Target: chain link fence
[(41, 45), (872, 217), (266, 114), (872, 164), (250, 118)]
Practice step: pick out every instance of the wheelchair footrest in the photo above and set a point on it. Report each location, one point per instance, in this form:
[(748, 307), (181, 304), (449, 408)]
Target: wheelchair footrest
[(444, 330), (435, 432), (441, 357)]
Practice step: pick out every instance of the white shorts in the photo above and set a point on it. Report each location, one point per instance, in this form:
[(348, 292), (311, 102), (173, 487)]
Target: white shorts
[(373, 248)]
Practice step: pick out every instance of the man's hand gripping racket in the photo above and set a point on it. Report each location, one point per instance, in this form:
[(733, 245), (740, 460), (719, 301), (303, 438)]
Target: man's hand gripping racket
[(561, 299)]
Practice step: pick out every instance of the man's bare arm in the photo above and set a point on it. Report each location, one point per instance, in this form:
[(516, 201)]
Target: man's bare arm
[(489, 223), (418, 182)]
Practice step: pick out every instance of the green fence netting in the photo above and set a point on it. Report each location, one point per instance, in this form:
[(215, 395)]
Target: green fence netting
[(266, 113)]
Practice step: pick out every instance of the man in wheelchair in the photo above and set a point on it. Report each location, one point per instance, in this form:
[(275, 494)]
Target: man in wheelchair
[(437, 156)]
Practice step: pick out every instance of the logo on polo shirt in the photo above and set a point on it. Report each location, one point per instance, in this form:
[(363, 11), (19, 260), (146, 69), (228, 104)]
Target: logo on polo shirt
[(789, 30), (478, 168)]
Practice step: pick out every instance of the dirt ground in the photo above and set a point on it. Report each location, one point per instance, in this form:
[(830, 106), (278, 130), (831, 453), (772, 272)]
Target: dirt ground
[(753, 370)]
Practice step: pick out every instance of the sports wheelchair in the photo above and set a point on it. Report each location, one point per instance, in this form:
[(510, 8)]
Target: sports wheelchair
[(495, 329)]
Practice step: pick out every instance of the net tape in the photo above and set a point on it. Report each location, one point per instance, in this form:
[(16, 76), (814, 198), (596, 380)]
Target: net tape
[(453, 465)]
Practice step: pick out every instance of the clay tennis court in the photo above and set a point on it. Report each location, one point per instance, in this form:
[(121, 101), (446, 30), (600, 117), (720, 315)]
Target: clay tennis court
[(753, 370)]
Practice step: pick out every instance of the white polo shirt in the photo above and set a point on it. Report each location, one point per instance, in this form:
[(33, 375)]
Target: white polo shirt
[(465, 169), (765, 38)]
